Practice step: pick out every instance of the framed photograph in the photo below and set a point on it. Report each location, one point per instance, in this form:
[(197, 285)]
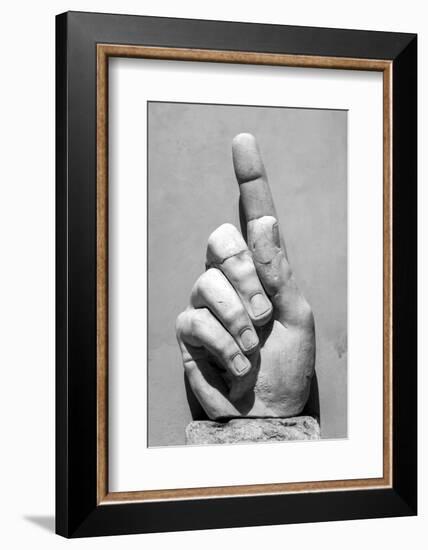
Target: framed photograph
[(236, 274)]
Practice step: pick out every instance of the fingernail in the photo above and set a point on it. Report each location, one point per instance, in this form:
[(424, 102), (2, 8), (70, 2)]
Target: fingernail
[(240, 365), (259, 305), (249, 339)]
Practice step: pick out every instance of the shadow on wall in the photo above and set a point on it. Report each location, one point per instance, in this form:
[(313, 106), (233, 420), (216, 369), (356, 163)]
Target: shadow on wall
[(45, 522)]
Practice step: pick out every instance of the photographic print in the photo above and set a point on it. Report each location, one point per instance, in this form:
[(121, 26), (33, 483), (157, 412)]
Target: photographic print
[(247, 274), (230, 274)]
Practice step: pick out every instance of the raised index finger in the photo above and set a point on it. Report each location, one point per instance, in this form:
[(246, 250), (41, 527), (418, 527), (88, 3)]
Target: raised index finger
[(256, 198), (263, 235)]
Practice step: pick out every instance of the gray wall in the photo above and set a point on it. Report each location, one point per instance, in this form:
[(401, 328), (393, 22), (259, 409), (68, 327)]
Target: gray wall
[(192, 190)]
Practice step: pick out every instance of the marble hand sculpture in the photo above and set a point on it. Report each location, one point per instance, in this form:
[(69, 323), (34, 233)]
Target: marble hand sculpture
[(248, 338)]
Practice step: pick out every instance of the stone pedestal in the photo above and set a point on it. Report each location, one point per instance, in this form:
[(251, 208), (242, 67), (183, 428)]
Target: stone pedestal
[(245, 430)]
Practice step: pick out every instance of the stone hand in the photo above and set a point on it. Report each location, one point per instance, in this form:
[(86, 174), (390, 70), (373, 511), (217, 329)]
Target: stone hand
[(247, 338)]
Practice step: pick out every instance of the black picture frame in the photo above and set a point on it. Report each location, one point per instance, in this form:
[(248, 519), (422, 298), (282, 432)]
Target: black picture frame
[(78, 513)]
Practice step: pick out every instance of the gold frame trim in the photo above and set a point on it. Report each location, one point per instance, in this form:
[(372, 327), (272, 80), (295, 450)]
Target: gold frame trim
[(104, 51)]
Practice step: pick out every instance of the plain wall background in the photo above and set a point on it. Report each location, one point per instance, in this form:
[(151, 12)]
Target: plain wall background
[(193, 190), (27, 275)]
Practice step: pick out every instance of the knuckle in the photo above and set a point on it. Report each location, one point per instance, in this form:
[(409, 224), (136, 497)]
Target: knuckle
[(180, 323), (189, 365), (241, 267), (224, 242), (221, 234), (208, 279), (205, 282), (198, 321), (234, 316)]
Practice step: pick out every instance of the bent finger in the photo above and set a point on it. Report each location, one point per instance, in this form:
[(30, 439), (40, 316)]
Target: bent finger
[(200, 329), (213, 291), (227, 250)]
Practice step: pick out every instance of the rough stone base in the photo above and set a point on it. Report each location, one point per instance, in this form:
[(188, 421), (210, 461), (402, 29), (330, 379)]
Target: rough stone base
[(244, 430)]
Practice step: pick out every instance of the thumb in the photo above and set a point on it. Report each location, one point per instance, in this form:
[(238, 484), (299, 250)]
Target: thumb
[(274, 271)]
